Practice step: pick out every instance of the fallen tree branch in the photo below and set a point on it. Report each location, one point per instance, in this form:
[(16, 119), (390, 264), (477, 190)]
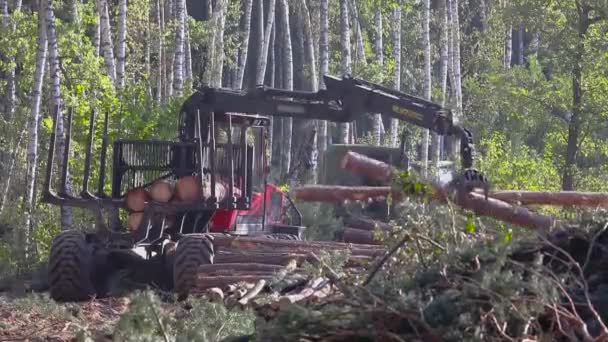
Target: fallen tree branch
[(559, 198)]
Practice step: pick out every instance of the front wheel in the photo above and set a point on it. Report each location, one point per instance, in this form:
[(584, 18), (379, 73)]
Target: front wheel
[(192, 251), (70, 268)]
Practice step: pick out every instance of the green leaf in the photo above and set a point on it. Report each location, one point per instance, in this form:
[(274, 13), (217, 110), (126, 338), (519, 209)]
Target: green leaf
[(470, 227)]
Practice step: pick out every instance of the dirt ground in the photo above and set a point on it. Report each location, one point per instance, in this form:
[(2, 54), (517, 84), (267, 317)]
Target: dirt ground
[(36, 318)]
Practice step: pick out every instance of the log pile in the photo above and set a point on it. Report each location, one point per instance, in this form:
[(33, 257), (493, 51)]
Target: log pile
[(268, 274), (184, 190)]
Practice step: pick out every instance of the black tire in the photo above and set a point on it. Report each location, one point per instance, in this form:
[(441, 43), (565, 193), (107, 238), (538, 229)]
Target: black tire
[(192, 251), (69, 268), (282, 236)]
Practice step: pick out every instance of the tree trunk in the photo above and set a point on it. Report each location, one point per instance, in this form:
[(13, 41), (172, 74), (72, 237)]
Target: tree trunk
[(287, 81), (10, 96), (574, 126), (426, 41), (310, 147), (107, 48), (121, 44), (97, 35), (394, 128), (66, 212), (244, 41), (187, 51), (9, 173), (437, 140), (178, 57), (359, 48), (508, 48), (323, 65), (520, 45), (377, 126), (262, 57), (346, 62), (32, 144)]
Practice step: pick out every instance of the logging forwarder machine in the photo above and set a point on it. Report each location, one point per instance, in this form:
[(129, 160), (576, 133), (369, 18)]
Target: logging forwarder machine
[(222, 143)]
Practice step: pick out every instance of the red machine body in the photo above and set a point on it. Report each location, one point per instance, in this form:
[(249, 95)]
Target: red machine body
[(271, 201)]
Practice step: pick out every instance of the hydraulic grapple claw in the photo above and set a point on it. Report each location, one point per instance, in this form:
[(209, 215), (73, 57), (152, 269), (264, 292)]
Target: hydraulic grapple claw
[(469, 180)]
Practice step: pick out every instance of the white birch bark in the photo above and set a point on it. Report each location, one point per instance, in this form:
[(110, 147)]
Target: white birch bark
[(323, 65), (66, 212), (287, 79), (107, 47), (178, 57), (436, 141), (456, 61), (359, 48), (244, 43), (188, 55), (394, 129), (263, 52), (377, 124), (508, 48), (426, 41), (309, 51), (159, 52), (10, 97), (346, 62), (121, 44), (219, 13)]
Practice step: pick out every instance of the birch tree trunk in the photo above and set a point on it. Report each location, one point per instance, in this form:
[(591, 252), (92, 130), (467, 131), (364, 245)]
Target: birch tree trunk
[(394, 129), (426, 41), (287, 81), (262, 57), (10, 96), (188, 53), (32, 145), (121, 44), (377, 125), (346, 62), (520, 45), (107, 47), (310, 138), (66, 212), (178, 57), (323, 65), (359, 48), (508, 48), (219, 15), (159, 51), (244, 43), (437, 140)]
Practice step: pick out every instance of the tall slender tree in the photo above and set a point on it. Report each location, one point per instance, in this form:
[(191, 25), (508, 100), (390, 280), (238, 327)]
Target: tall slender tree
[(394, 128), (178, 57), (346, 62), (121, 44), (32, 144), (54, 71), (287, 61), (323, 65), (262, 57), (107, 47), (426, 41)]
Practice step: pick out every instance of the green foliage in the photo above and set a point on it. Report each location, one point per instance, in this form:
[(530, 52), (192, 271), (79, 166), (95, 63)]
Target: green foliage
[(148, 319), (517, 167)]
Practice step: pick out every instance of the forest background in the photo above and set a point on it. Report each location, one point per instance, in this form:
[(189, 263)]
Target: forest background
[(528, 78)]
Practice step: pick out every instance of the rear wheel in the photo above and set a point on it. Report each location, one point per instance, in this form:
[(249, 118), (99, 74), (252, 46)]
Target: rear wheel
[(192, 251), (70, 268)]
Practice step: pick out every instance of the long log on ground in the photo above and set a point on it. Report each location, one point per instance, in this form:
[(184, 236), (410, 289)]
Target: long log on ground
[(223, 242), (278, 259), (238, 267), (359, 236), (560, 198), (501, 210)]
